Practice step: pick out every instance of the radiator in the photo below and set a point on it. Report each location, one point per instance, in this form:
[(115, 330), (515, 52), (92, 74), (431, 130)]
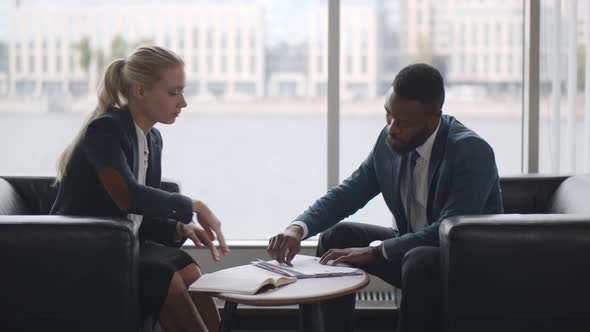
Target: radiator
[(378, 295)]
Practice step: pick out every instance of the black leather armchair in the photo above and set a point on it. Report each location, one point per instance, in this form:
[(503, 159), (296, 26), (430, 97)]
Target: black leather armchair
[(64, 273), (526, 270)]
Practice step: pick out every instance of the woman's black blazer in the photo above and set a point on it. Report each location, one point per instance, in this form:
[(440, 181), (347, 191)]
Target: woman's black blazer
[(100, 178)]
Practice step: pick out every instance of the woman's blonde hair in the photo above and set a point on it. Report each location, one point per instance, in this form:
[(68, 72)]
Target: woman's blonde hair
[(144, 66)]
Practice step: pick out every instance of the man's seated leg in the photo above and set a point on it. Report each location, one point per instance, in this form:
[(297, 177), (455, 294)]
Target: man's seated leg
[(421, 305), (337, 313), (350, 235)]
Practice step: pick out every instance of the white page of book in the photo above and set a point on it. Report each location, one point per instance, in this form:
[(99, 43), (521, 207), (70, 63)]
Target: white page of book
[(310, 265), (240, 279)]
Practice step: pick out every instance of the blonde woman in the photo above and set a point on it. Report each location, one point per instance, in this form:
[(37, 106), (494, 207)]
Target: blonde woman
[(113, 168)]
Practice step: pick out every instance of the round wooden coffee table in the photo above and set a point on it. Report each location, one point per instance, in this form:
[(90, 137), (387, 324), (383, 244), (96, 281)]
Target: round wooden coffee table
[(304, 292)]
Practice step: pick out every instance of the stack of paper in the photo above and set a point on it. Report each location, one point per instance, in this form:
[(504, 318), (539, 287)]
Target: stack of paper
[(306, 267)]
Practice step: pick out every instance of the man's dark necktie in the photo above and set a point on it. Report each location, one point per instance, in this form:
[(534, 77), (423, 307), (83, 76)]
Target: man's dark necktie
[(411, 165)]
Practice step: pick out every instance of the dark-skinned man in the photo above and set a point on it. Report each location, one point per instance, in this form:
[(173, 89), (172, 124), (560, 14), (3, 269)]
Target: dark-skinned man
[(428, 167)]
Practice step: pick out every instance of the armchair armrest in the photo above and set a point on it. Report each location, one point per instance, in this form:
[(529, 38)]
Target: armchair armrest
[(69, 273), (515, 272)]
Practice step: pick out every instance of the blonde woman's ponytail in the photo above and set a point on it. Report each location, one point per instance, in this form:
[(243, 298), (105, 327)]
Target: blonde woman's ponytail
[(114, 89), (112, 92)]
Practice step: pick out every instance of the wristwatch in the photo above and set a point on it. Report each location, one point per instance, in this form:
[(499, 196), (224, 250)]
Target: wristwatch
[(377, 250)]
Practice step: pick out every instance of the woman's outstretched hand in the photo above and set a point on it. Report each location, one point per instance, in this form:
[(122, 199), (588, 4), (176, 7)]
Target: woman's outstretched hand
[(199, 237), (211, 230)]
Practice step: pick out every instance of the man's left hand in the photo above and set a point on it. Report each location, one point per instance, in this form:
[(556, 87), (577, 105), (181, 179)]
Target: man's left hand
[(353, 256)]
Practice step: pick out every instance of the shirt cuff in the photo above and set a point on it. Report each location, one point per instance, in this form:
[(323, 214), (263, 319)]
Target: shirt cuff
[(302, 225)]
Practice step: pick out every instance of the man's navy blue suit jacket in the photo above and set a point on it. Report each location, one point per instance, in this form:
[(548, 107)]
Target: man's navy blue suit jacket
[(462, 180)]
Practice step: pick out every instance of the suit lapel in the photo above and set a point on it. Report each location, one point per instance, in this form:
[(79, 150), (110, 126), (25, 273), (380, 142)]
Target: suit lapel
[(436, 156), (132, 135), (438, 149)]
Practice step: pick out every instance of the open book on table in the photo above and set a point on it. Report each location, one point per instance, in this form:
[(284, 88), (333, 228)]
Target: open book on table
[(244, 279), (304, 267)]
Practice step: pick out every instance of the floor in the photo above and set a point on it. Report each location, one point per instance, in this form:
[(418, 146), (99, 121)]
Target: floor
[(288, 321), (286, 330)]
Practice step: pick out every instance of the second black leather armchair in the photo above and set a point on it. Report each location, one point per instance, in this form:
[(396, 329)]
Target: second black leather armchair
[(521, 272)]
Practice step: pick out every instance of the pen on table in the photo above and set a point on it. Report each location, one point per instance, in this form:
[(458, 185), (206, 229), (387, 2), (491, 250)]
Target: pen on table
[(270, 267), (292, 271)]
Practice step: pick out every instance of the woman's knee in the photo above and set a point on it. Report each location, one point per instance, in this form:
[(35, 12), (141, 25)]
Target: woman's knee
[(177, 286), (190, 274)]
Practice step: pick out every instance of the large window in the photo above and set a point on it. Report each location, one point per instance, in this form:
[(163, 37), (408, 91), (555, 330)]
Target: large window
[(482, 68), (251, 142), (254, 140), (565, 113)]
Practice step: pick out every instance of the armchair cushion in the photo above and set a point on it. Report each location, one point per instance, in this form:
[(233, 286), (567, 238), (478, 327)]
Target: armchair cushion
[(571, 196), (37, 193), (528, 193), (10, 201)]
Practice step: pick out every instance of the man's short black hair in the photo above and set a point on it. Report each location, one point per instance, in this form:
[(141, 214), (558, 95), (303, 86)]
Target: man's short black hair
[(420, 82)]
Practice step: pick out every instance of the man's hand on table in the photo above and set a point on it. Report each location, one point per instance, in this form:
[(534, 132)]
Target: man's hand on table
[(352, 256), (284, 246)]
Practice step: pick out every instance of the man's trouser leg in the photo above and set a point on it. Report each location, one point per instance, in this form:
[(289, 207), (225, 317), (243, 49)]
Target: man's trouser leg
[(421, 305), (418, 277)]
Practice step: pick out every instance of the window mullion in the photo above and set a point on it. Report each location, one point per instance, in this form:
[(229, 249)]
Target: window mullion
[(530, 130), (333, 146)]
